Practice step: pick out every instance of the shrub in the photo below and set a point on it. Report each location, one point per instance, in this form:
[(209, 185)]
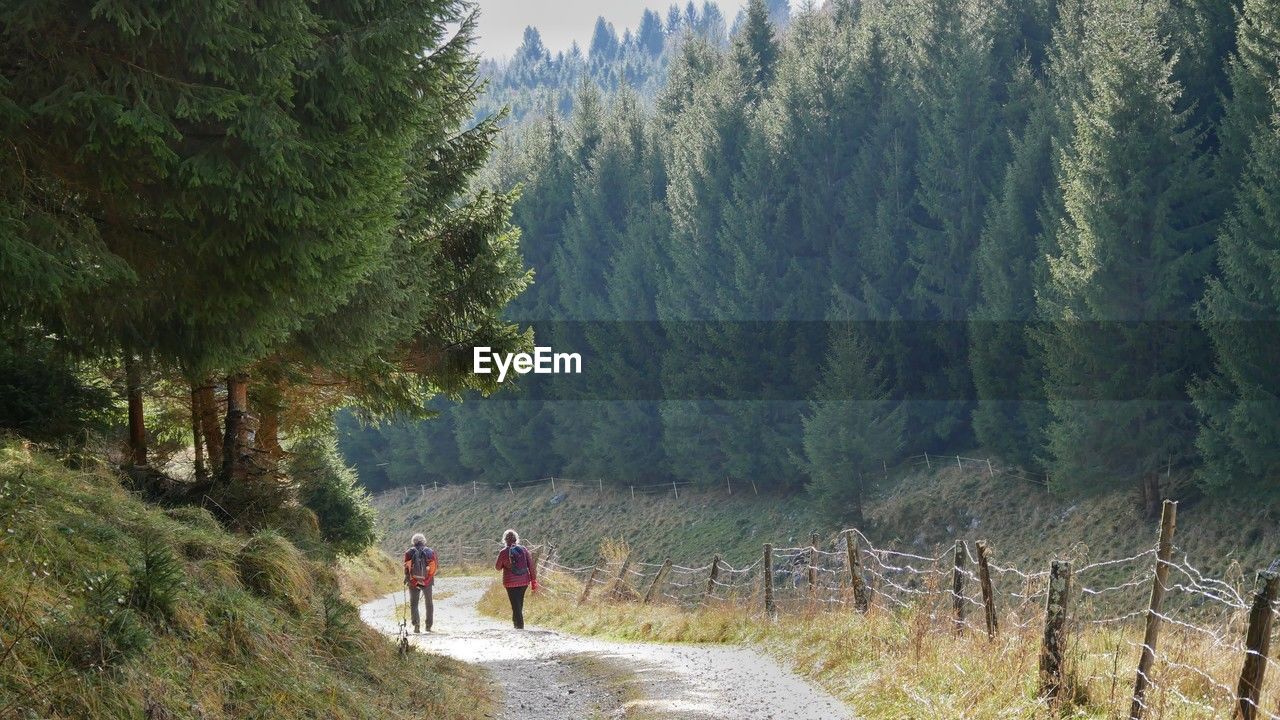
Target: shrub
[(42, 397), (113, 632), (339, 624), (157, 580), (272, 567), (195, 517), (330, 489)]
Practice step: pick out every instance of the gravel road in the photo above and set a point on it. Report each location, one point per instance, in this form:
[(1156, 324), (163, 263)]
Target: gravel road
[(548, 675)]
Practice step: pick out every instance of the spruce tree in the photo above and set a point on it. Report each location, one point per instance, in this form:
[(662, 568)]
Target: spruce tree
[(1009, 416), (1132, 251), (756, 51), (852, 427), (1239, 402), (961, 153), (1253, 72)]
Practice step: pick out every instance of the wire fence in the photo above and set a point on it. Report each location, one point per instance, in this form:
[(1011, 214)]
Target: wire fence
[(1207, 656)]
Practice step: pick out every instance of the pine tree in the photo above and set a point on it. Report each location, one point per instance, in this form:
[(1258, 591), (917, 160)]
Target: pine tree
[(1132, 252), (852, 427), (756, 51), (1239, 403), (274, 211), (604, 42), (961, 153), (650, 35), (1253, 71), (1009, 417)]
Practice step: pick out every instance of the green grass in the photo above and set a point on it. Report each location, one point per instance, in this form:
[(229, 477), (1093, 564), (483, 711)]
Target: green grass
[(112, 608)]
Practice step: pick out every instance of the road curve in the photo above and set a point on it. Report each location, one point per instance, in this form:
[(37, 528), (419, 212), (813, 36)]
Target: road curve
[(545, 674)]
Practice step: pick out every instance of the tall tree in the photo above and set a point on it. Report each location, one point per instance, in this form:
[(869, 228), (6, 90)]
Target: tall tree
[(1010, 413), (852, 427), (1240, 402), (756, 51), (1132, 252)]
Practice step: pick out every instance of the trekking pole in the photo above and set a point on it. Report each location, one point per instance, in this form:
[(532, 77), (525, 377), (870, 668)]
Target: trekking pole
[(403, 643)]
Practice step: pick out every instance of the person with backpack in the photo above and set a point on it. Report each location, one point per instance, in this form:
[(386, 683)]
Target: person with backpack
[(419, 574), (518, 574)]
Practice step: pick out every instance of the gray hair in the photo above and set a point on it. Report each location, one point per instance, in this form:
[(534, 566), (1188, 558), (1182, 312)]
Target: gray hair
[(515, 536), (419, 540)]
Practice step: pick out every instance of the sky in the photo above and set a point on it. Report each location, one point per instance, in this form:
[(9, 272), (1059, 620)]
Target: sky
[(502, 22)]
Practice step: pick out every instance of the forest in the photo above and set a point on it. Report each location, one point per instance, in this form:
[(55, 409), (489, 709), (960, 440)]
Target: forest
[(869, 229), (221, 224)]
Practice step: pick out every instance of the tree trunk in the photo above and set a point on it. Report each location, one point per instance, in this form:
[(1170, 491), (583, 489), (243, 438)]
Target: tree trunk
[(268, 437), (137, 419), (1151, 500), (235, 443), (210, 428), (197, 441)]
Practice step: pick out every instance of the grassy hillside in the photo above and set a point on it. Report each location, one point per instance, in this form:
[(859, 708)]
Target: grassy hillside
[(927, 509), (903, 660), (112, 608)]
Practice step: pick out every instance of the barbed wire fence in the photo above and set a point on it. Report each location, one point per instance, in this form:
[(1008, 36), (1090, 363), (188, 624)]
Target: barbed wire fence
[(1185, 644)]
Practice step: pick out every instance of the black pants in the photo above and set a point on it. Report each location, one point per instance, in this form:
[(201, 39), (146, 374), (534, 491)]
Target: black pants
[(516, 596), (425, 592)]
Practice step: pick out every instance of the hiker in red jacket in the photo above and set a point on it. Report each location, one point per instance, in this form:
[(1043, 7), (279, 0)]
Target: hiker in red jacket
[(518, 574), (420, 567)]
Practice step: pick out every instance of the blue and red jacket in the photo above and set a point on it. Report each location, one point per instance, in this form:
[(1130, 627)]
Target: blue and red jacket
[(511, 575)]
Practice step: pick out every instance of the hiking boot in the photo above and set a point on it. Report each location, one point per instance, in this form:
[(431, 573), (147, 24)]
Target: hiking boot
[(416, 631)]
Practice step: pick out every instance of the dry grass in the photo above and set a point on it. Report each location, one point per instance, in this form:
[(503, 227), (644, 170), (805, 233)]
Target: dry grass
[(256, 629), (909, 664), (369, 575)]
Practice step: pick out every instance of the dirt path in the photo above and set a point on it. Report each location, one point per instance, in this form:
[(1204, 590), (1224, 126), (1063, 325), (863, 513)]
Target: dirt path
[(547, 674)]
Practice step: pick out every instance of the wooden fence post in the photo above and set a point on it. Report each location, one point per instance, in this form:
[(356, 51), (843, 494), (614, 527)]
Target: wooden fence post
[(621, 581), (711, 578), (988, 595), (813, 566), (1168, 522), (546, 558), (510, 489), (657, 581), (926, 461), (1055, 618), (553, 484), (1257, 645), (462, 553), (860, 600), (767, 570), (957, 585), (591, 579), (675, 489)]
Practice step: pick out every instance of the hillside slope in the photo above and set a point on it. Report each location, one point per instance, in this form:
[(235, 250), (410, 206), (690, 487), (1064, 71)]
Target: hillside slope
[(112, 608), (926, 510)]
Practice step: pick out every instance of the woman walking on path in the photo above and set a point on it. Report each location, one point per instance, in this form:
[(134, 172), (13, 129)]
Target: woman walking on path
[(518, 574)]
